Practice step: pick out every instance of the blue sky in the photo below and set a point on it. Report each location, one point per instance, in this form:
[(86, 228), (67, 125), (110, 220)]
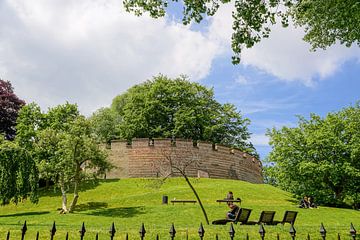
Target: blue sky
[(87, 52)]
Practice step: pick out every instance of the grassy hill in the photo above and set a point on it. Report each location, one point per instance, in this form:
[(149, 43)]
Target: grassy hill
[(130, 202)]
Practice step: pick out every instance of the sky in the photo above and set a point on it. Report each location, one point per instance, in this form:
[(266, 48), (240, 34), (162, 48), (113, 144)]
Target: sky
[(87, 52)]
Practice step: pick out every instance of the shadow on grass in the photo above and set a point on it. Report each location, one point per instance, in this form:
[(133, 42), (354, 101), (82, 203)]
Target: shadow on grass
[(123, 212), (90, 206), (54, 191), (25, 214)]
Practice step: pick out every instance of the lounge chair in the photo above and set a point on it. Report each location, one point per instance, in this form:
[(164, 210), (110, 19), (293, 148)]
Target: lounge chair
[(289, 217), (242, 216), (266, 217)]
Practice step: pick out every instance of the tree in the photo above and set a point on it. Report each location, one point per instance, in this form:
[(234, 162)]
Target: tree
[(320, 157), (174, 165), (62, 144), (177, 108), (10, 104), (325, 21), (104, 124), (18, 174)]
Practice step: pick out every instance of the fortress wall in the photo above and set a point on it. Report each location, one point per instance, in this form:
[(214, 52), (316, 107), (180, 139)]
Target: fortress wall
[(141, 160)]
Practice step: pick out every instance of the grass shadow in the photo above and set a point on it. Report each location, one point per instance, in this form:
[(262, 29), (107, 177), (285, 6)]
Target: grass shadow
[(54, 191), (122, 212), (90, 206), (25, 214)]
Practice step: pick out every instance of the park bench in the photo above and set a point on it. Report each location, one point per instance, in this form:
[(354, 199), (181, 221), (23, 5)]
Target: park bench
[(182, 201)]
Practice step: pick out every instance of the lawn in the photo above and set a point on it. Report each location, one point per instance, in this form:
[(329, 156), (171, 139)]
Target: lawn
[(130, 202)]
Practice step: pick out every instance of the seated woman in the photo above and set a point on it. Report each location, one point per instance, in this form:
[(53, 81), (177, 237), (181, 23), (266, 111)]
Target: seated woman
[(231, 214)]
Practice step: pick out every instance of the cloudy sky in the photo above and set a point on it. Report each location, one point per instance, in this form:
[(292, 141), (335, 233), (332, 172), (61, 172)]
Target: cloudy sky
[(87, 52)]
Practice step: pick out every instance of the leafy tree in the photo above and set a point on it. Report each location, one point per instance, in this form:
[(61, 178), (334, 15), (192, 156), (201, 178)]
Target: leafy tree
[(104, 124), (325, 21), (10, 104), (177, 108), (61, 142), (320, 157), (18, 174)]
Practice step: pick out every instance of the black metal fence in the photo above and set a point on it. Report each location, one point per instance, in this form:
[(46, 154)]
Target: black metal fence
[(172, 233)]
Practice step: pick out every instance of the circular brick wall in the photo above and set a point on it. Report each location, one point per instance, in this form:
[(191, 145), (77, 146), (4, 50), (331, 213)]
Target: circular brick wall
[(144, 158)]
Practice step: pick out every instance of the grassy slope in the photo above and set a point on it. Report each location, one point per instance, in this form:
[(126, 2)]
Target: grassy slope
[(130, 202)]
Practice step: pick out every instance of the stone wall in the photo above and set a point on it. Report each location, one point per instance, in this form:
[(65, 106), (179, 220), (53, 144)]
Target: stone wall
[(144, 158)]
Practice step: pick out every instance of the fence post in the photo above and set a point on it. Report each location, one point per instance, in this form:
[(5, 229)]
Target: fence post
[(8, 236), (277, 236), (172, 231), (97, 236), (67, 236), (323, 231), (232, 232), (201, 231), (157, 236), (52, 231), (216, 237), (308, 236), (127, 236), (82, 231), (338, 237), (112, 231), (142, 231), (292, 232), (247, 236), (23, 231), (262, 231), (37, 235), (352, 231)]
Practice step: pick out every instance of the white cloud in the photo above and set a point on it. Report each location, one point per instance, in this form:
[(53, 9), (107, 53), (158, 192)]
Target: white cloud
[(259, 140), (285, 55), (242, 80), (89, 51)]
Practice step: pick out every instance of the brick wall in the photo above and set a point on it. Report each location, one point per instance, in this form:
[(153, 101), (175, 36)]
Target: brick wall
[(151, 159)]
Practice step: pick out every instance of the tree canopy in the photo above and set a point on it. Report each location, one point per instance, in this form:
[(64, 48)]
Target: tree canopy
[(10, 104), (319, 157), (325, 22), (61, 143), (18, 174), (174, 108)]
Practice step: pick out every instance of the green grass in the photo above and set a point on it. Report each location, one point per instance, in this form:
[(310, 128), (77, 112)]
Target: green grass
[(130, 202)]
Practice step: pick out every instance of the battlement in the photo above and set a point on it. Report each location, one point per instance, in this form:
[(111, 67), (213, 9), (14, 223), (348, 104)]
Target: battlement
[(137, 159)]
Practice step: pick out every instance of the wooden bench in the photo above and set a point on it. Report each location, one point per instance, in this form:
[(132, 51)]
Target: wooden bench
[(182, 201)]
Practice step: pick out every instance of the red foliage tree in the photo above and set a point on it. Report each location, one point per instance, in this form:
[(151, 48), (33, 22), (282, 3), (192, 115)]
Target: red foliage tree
[(10, 104)]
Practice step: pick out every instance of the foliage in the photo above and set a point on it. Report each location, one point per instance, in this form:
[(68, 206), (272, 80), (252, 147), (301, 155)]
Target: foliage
[(61, 142), (320, 157), (9, 107), (177, 108), (18, 174), (103, 124), (325, 21)]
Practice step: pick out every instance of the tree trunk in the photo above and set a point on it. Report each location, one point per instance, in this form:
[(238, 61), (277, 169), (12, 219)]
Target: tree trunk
[(64, 199), (197, 197), (76, 189)]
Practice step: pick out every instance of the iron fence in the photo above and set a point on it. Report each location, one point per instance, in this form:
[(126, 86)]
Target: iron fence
[(201, 232)]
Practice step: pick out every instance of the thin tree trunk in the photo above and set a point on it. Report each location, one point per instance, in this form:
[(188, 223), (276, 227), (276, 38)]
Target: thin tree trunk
[(197, 197), (76, 189), (64, 199)]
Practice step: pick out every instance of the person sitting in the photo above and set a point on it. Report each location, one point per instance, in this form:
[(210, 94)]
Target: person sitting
[(230, 195), (311, 203), (304, 203), (231, 214)]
